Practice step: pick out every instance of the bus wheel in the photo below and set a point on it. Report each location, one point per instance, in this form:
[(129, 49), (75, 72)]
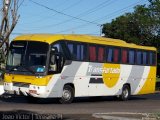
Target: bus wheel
[(125, 93), (67, 95)]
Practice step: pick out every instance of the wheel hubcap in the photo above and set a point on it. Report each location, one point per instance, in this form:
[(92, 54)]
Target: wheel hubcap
[(66, 95), (125, 93)]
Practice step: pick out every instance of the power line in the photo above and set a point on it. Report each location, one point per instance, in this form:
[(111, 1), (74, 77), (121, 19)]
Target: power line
[(100, 6), (119, 11), (85, 13), (72, 5), (49, 17), (110, 15), (20, 4), (51, 9)]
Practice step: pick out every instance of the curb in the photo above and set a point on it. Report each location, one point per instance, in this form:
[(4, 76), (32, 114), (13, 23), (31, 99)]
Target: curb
[(125, 116)]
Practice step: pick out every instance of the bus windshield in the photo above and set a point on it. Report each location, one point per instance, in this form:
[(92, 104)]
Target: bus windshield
[(28, 56)]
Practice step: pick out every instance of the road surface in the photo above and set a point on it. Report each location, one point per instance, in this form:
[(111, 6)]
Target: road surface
[(86, 106)]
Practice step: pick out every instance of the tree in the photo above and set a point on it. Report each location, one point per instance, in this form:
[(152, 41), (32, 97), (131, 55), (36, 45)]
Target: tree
[(140, 27), (9, 20)]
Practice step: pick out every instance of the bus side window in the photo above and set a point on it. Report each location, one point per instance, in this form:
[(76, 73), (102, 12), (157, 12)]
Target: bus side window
[(139, 57), (109, 54), (73, 50), (116, 57), (131, 57), (81, 52), (100, 54), (70, 47), (124, 56), (56, 58), (152, 57), (58, 47), (144, 58), (84, 52), (92, 53), (77, 51), (53, 65)]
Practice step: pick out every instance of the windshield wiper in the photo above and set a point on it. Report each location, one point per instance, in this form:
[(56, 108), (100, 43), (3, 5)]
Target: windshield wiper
[(15, 68)]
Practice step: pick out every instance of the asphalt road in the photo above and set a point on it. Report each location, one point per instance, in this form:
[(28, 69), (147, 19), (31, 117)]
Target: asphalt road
[(143, 103)]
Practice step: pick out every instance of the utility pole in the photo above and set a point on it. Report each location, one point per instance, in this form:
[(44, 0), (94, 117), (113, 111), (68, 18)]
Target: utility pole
[(101, 26)]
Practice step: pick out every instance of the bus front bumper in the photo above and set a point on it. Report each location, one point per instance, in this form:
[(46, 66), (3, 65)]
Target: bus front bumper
[(26, 90)]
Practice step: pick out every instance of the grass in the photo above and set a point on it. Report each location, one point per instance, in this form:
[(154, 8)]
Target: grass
[(154, 116)]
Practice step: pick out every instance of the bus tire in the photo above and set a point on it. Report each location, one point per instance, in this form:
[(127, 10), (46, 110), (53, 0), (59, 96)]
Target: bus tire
[(125, 93), (67, 95)]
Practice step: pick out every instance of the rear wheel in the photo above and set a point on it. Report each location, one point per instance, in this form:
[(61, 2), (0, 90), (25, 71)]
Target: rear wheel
[(67, 95), (125, 93)]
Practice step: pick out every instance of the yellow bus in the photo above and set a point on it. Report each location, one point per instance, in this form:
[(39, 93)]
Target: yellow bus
[(68, 66)]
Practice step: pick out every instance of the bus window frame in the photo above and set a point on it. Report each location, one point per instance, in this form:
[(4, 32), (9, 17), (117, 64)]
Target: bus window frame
[(106, 48)]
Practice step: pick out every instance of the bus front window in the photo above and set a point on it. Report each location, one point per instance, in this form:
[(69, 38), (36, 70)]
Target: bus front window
[(37, 59), (16, 54), (27, 56)]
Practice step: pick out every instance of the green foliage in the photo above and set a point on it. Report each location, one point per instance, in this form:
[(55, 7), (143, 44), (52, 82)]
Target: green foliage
[(140, 27)]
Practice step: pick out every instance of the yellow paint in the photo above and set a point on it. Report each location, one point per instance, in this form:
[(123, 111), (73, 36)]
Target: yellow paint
[(112, 75), (50, 38), (33, 80), (149, 86)]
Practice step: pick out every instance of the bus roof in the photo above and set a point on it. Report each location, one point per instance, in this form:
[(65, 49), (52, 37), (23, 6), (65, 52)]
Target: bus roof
[(50, 38)]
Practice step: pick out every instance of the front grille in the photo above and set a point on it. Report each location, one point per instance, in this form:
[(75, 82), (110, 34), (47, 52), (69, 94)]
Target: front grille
[(20, 84)]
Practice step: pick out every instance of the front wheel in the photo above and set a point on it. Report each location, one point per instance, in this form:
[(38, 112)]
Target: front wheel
[(67, 95), (125, 93)]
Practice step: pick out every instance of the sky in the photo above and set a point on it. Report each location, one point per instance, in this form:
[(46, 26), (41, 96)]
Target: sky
[(69, 16)]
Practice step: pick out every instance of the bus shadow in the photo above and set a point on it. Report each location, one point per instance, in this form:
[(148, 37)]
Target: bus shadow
[(105, 99), (22, 99)]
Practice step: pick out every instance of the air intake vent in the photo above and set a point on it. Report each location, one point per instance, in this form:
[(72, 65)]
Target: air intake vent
[(20, 84)]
